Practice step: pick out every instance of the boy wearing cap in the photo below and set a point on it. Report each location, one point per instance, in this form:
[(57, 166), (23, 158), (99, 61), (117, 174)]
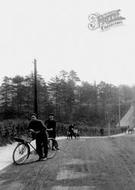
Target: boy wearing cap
[(51, 129)]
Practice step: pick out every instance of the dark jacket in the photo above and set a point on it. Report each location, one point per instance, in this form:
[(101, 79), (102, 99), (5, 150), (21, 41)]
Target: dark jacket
[(51, 124), (71, 128), (37, 126)]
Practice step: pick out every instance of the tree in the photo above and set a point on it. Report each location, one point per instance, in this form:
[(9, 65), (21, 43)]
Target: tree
[(18, 91), (6, 97), (43, 98)]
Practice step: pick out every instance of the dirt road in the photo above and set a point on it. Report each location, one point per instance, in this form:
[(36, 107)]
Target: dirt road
[(84, 164)]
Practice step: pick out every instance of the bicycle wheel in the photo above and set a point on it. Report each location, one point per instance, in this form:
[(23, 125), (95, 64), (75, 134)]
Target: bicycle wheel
[(21, 153), (51, 153)]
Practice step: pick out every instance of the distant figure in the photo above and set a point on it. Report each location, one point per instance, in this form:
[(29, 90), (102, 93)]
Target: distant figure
[(71, 131), (101, 131), (131, 130)]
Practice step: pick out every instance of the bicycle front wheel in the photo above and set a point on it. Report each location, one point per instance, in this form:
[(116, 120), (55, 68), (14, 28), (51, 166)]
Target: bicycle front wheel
[(51, 153), (21, 153)]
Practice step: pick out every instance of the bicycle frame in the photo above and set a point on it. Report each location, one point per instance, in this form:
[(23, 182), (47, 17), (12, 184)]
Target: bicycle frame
[(24, 141), (28, 142)]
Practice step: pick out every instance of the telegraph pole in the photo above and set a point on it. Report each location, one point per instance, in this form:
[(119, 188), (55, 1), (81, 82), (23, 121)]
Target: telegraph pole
[(35, 88)]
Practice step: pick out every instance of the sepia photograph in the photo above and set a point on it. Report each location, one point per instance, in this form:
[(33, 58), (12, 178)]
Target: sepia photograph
[(67, 95)]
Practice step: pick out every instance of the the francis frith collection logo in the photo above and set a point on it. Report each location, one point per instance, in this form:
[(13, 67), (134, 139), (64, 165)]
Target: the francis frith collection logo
[(105, 21)]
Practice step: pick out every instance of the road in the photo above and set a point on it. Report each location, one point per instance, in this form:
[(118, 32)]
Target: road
[(84, 164)]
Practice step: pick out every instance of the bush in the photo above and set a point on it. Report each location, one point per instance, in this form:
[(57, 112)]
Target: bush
[(11, 128)]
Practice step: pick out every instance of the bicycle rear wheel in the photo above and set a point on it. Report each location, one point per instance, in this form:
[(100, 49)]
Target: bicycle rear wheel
[(51, 153), (21, 153)]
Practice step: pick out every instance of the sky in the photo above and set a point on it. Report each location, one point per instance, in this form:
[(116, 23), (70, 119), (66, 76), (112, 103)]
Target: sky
[(56, 33)]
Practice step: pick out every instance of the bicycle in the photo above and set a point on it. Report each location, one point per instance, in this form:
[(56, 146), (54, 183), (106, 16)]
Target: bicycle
[(22, 151), (74, 133)]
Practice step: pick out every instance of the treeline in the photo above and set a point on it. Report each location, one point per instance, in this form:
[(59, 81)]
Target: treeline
[(65, 95)]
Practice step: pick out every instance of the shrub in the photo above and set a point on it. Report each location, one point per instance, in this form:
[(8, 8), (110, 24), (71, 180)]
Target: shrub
[(11, 128)]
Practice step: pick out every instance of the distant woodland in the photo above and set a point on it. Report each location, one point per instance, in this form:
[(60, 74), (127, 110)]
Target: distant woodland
[(89, 106), (70, 99)]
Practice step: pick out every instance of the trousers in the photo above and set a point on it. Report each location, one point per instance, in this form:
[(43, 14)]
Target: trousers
[(42, 144)]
